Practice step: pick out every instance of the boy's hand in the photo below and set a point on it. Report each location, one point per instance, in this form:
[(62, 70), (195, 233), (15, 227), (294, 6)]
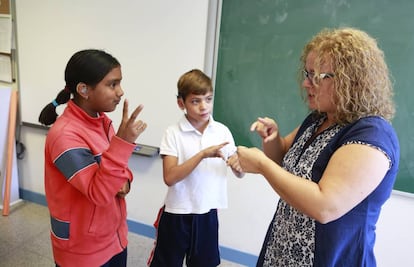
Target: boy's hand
[(214, 151)]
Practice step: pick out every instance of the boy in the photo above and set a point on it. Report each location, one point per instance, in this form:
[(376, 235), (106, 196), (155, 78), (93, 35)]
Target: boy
[(195, 153)]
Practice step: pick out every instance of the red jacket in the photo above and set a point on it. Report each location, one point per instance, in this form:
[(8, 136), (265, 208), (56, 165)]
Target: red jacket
[(85, 166)]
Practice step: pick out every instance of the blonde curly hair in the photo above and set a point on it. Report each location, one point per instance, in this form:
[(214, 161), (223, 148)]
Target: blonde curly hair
[(362, 81)]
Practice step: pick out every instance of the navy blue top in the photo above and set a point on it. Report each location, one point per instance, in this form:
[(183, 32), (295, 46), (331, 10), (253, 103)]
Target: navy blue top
[(294, 239)]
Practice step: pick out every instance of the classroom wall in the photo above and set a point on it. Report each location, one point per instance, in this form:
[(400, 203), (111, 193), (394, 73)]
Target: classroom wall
[(155, 41), (251, 204)]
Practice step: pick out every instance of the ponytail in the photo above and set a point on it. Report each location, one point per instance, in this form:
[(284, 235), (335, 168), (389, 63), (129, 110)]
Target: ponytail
[(48, 115)]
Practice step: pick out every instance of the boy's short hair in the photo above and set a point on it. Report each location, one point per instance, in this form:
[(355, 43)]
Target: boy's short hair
[(194, 82)]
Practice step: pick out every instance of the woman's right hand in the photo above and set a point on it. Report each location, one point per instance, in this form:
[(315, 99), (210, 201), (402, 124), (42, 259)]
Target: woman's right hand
[(266, 128), (130, 128)]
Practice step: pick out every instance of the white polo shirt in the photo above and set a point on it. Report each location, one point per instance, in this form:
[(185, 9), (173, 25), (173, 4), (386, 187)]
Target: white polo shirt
[(205, 187)]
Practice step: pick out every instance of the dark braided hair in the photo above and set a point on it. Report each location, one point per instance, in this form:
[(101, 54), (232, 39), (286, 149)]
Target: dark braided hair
[(87, 66)]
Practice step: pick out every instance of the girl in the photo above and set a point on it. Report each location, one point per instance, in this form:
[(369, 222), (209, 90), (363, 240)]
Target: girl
[(86, 164)]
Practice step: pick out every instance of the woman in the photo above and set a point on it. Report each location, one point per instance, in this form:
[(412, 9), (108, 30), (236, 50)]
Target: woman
[(86, 164), (334, 172)]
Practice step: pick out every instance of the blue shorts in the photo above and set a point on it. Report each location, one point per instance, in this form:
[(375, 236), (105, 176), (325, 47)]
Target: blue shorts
[(193, 237)]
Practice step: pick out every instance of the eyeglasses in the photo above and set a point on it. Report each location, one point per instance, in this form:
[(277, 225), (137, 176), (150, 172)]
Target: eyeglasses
[(310, 75)]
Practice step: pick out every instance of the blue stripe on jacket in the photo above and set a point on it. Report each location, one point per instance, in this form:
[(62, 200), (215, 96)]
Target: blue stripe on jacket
[(60, 228), (74, 160)]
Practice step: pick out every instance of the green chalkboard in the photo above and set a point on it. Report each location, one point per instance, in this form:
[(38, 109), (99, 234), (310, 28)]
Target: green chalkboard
[(258, 55)]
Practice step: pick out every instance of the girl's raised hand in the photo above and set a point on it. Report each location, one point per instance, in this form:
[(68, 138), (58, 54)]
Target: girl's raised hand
[(130, 127)]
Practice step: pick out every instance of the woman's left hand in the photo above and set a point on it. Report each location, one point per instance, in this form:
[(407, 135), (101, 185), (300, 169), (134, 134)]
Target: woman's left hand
[(233, 162), (250, 159)]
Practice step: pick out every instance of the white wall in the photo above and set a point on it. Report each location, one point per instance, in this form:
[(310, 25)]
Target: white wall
[(155, 41), (395, 234)]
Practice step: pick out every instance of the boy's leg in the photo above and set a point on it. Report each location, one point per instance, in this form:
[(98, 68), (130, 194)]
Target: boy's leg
[(173, 240), (204, 250)]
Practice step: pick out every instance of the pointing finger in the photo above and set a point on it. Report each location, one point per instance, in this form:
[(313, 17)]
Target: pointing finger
[(223, 144), (136, 112), (253, 127)]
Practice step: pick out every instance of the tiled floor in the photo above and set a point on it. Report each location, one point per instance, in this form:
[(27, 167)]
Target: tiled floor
[(24, 240)]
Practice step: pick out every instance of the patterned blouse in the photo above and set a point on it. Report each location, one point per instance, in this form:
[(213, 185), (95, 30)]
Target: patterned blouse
[(294, 239)]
